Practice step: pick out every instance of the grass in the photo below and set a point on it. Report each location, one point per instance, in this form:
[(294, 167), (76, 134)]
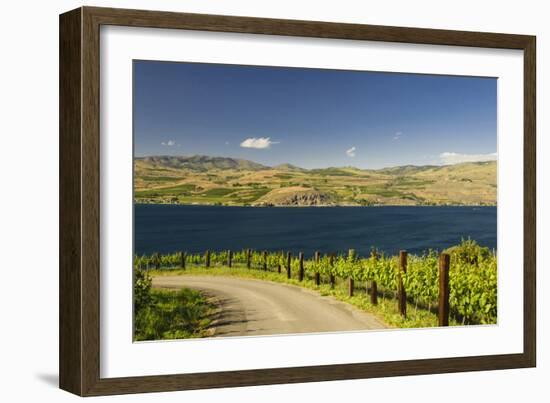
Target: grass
[(386, 309), (156, 169), (183, 194), (381, 191), (283, 176), (251, 195), (216, 192), (411, 182), (172, 190), (331, 172), (171, 314), (160, 178)]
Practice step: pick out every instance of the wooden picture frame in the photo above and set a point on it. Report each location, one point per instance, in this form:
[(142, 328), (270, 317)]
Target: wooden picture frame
[(79, 346)]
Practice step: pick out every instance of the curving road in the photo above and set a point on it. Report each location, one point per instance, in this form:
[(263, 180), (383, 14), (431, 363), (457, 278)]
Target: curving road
[(255, 307)]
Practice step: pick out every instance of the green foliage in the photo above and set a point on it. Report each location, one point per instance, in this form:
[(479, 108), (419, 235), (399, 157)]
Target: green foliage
[(160, 178), (469, 252), (332, 172), (161, 314), (172, 315), (218, 192), (473, 289), (421, 278), (183, 189), (384, 191), (142, 289), (472, 276)]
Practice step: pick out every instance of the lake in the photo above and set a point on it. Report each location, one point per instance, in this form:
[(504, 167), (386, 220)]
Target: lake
[(170, 228)]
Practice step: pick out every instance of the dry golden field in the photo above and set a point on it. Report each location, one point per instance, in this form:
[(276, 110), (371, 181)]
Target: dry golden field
[(228, 181)]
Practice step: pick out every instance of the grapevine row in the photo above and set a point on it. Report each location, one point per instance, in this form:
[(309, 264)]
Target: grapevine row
[(472, 274)]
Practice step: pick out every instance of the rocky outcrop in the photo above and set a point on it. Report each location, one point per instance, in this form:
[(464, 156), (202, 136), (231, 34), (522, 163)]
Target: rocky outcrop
[(308, 199), (295, 196)]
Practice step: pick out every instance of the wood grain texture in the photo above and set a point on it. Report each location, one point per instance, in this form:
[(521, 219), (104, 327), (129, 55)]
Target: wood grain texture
[(79, 200), (90, 202), (304, 374), (316, 29), (444, 291), (530, 202), (70, 276)]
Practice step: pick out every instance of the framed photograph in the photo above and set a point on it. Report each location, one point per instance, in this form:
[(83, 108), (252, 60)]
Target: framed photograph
[(248, 201)]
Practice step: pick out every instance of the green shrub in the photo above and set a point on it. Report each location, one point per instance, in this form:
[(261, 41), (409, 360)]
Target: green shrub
[(142, 289), (469, 251), (173, 315)]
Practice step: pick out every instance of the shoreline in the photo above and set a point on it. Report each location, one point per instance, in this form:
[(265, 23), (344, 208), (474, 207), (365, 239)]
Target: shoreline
[(316, 206)]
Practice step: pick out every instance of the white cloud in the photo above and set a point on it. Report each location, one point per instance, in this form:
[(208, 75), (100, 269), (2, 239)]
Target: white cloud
[(260, 142), (169, 143), (351, 152), (448, 158), (397, 135)]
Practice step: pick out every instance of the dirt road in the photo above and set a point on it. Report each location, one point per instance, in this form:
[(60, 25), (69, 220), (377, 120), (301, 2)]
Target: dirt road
[(255, 307)]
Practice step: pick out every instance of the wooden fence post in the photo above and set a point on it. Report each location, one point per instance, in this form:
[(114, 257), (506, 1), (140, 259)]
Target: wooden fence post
[(288, 261), (332, 277), (374, 285), (374, 293), (229, 258), (279, 264), (301, 272), (248, 258), (265, 260), (157, 261), (444, 291), (401, 293), (317, 275), (207, 258), (351, 285), (183, 260)]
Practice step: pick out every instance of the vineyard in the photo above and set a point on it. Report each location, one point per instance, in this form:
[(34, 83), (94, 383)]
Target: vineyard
[(469, 275)]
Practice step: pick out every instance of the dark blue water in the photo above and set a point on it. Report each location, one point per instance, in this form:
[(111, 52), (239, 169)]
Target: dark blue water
[(171, 228)]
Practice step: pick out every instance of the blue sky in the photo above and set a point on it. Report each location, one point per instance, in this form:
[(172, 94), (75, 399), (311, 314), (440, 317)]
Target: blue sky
[(312, 118)]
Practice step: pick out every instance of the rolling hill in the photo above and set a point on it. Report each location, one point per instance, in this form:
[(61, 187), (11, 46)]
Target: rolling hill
[(203, 179)]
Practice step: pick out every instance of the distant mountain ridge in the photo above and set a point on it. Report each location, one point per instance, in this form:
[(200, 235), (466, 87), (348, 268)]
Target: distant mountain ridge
[(201, 179), (203, 163)]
